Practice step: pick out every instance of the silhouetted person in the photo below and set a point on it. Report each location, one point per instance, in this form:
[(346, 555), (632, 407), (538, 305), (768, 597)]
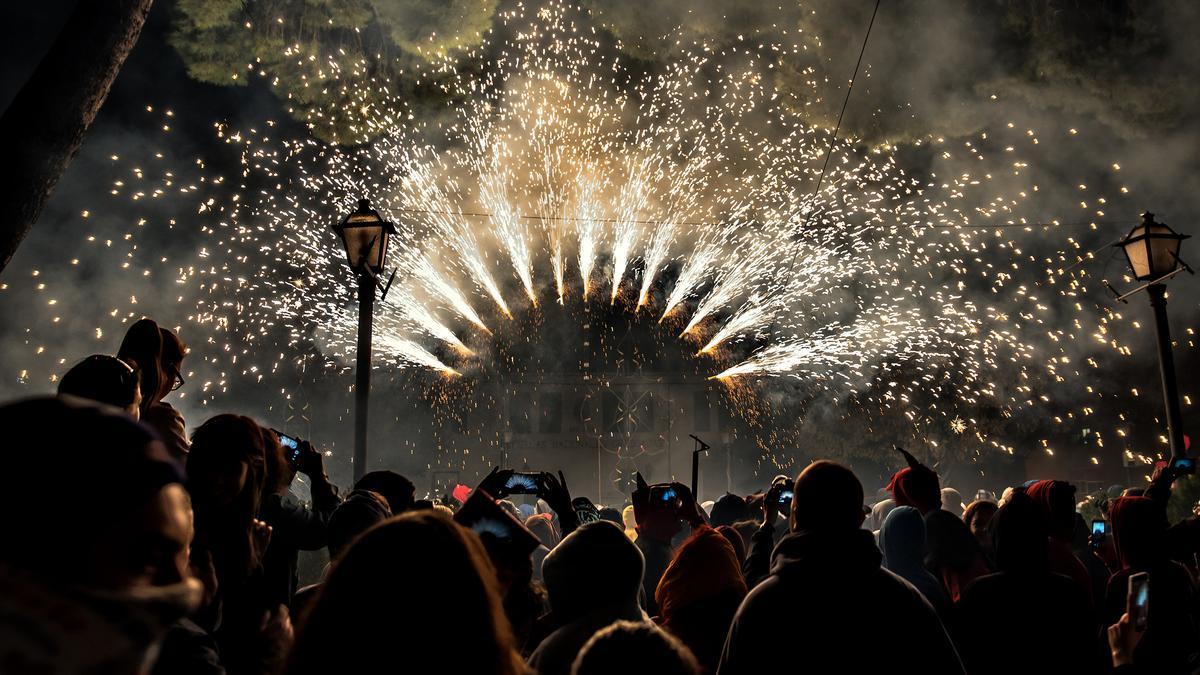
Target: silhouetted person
[(93, 572), (158, 355), (612, 515), (295, 526), (952, 501), (359, 512), (105, 379), (978, 518), (634, 646), (226, 476), (1024, 618), (729, 509), (825, 581), (879, 512), (542, 525), (1171, 637), (902, 540), (657, 524), (396, 489), (629, 520), (1056, 499), (735, 540), (415, 593), (916, 485), (1098, 571), (699, 594), (954, 554), (593, 578)]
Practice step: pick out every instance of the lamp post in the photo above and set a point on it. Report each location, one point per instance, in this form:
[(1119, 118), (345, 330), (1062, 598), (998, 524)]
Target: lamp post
[(365, 235), (1152, 250)]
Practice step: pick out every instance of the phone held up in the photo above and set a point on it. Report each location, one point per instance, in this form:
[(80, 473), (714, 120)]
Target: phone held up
[(523, 483), (1184, 465), (291, 447), (1139, 600), (1099, 532), (665, 495)]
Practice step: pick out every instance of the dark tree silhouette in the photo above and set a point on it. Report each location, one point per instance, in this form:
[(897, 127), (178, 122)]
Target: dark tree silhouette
[(44, 126)]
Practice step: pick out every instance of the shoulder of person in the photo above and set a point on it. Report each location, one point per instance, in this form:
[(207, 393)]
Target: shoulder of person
[(163, 412)]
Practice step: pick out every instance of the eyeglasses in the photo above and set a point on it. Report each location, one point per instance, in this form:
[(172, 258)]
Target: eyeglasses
[(178, 381)]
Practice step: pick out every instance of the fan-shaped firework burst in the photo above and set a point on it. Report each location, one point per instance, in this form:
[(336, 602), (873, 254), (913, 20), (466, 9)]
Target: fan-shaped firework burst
[(566, 168), (561, 174)]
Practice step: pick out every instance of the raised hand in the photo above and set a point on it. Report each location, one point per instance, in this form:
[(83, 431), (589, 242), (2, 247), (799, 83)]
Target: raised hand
[(555, 493), (311, 462), (689, 510), (494, 482), (771, 503), (1123, 638)]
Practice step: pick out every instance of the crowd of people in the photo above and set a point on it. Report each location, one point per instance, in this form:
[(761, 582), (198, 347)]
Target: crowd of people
[(131, 547)]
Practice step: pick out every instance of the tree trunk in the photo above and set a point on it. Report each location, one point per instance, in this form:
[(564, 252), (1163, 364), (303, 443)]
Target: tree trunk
[(44, 126)]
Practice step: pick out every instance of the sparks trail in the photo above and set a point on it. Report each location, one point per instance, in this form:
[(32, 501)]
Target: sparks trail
[(561, 175), (549, 173)]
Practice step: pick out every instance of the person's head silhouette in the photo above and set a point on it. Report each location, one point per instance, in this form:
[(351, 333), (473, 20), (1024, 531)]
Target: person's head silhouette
[(106, 379), (414, 590), (594, 566), (634, 645), (827, 497)]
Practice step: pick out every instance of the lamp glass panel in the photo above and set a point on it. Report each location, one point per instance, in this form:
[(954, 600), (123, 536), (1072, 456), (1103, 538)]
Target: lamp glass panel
[(1164, 246), (358, 239), (1137, 252)]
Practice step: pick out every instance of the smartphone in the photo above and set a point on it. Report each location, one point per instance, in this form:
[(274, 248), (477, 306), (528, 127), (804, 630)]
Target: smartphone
[(1139, 600), (522, 483), (291, 447), (1183, 465), (1099, 532), (785, 497), (481, 514), (664, 495)]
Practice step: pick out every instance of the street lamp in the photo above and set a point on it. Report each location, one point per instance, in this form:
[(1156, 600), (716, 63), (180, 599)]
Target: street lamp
[(1152, 250), (365, 235)]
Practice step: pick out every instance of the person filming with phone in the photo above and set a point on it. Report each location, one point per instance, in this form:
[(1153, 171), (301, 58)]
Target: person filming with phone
[(661, 511), (296, 526), (1171, 640)]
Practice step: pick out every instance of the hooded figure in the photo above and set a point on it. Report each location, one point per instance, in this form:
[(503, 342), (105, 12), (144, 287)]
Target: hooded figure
[(902, 539), (916, 485), (729, 509), (826, 577), (593, 577), (699, 594), (542, 525), (1056, 499), (1139, 531), (955, 556), (952, 501), (880, 512), (1024, 615)]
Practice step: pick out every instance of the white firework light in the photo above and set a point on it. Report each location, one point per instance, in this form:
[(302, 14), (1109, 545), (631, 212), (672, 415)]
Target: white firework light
[(561, 172)]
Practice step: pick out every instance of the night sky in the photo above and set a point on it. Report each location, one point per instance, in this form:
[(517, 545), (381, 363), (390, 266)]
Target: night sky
[(1099, 101)]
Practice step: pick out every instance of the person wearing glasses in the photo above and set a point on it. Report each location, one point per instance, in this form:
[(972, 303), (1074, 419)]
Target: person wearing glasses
[(158, 355)]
